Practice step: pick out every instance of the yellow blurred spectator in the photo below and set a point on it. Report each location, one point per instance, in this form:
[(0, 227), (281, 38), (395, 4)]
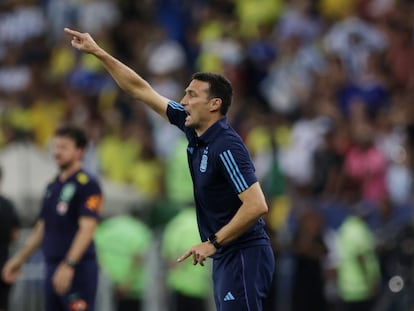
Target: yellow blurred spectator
[(19, 118), (146, 176), (45, 118), (337, 9), (253, 13), (62, 60), (210, 32), (117, 155)]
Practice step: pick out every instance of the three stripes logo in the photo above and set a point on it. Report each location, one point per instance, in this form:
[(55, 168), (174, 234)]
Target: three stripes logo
[(233, 170), (229, 296)]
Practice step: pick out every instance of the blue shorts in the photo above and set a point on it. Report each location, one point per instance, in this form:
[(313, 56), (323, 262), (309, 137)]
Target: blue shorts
[(243, 278), (84, 286)]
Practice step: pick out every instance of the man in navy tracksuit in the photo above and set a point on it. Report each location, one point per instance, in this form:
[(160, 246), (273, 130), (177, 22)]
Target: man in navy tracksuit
[(221, 169), (65, 227), (229, 200)]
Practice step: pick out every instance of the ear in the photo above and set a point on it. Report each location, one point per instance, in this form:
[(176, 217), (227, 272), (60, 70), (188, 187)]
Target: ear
[(215, 104)]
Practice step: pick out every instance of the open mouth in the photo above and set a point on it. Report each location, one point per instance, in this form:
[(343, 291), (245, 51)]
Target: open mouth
[(188, 115)]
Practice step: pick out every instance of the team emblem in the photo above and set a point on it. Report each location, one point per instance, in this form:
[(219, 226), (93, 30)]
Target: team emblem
[(67, 192), (204, 160), (203, 164)]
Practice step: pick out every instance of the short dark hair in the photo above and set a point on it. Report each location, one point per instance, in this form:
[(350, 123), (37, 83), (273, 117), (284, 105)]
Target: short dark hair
[(74, 133), (220, 87)]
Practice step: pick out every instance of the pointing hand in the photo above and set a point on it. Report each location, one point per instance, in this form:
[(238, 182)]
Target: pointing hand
[(83, 41), (199, 252)]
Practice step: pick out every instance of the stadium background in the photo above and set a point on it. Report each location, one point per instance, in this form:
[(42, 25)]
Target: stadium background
[(324, 94)]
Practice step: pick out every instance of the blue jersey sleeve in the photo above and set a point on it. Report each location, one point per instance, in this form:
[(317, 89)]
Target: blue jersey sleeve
[(176, 115), (237, 166)]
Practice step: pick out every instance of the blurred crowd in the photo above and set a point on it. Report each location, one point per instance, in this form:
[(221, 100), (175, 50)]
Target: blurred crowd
[(323, 97)]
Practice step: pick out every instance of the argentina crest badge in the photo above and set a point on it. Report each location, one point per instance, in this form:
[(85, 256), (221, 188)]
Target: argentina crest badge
[(204, 160)]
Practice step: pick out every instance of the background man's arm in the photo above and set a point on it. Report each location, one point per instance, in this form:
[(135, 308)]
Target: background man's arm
[(63, 276), (12, 267), (83, 238)]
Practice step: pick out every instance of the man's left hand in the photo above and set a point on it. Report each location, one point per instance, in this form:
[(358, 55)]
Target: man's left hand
[(200, 252)]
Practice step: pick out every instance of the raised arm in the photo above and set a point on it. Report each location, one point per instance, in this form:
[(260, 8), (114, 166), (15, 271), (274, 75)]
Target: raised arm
[(127, 79)]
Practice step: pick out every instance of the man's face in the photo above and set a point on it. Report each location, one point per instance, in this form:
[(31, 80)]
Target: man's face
[(197, 104), (65, 152)]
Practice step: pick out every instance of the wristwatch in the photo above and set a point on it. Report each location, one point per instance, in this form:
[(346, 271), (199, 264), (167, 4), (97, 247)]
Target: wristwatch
[(70, 262), (213, 240)]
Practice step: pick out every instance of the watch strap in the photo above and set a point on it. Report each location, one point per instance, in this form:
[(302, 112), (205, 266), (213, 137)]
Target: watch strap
[(70, 262), (213, 240)]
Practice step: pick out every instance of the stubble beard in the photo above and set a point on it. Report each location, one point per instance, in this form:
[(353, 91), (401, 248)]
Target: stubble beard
[(65, 166)]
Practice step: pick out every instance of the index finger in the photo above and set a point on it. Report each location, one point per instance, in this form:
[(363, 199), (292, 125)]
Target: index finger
[(72, 32), (184, 256)]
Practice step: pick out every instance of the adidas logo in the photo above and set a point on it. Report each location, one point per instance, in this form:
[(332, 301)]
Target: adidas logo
[(229, 296)]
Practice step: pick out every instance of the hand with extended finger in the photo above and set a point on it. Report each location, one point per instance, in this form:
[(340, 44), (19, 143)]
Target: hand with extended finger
[(83, 41), (200, 252)]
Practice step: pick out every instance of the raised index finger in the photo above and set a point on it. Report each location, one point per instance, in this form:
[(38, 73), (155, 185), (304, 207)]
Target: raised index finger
[(72, 32)]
